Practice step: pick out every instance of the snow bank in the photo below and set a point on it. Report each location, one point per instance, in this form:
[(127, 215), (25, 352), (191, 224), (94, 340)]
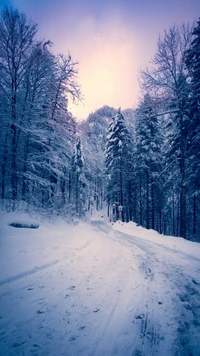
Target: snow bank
[(22, 250), (172, 242)]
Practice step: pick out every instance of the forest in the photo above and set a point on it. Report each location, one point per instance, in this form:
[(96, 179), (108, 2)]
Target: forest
[(146, 160)]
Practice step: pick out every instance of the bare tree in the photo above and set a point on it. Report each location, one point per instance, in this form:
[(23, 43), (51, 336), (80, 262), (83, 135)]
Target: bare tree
[(17, 37), (37, 128), (166, 81), (162, 80)]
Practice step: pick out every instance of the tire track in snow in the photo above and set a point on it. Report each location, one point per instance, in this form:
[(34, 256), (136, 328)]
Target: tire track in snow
[(37, 269), (177, 329), (184, 301), (28, 273), (146, 332)]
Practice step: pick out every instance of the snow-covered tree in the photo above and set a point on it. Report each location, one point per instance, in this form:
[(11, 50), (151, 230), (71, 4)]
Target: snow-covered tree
[(17, 40), (93, 133), (148, 166), (37, 130), (119, 164), (192, 59), (78, 183), (166, 82)]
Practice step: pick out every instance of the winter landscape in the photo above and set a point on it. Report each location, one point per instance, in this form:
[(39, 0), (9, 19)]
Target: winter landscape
[(99, 191)]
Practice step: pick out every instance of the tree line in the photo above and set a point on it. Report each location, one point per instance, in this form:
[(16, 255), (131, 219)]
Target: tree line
[(39, 155), (157, 179)]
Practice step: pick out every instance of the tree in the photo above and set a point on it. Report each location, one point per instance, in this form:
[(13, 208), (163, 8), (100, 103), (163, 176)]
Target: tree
[(119, 165), (78, 179), (167, 84), (192, 60), (37, 128), (17, 39), (148, 166), (93, 133)]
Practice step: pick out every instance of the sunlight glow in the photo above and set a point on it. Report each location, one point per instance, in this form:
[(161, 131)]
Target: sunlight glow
[(108, 74)]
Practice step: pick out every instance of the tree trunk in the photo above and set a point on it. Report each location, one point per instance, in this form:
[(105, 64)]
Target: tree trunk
[(194, 216), (182, 185), (14, 165), (24, 183), (173, 215), (121, 183), (152, 205), (5, 154), (14, 139), (147, 199), (77, 193), (140, 192)]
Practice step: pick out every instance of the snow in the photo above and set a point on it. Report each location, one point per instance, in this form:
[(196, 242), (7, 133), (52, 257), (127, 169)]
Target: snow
[(176, 243), (97, 289)]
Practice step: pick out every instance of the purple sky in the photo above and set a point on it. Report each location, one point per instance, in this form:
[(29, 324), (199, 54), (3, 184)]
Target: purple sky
[(111, 39)]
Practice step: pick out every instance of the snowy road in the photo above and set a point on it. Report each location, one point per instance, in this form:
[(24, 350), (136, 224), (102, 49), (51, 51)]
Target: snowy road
[(93, 291)]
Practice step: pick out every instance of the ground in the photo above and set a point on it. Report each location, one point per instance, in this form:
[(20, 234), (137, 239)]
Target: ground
[(93, 289)]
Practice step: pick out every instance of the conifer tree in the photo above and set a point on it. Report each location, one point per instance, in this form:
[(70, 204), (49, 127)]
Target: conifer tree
[(148, 166), (119, 164)]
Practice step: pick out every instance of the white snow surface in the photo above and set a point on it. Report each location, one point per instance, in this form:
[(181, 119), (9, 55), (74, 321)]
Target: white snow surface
[(97, 289)]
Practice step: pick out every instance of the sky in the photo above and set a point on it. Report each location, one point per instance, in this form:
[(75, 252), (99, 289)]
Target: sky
[(111, 39)]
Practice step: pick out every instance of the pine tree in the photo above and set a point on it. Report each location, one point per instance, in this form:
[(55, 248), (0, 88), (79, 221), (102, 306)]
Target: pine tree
[(148, 166), (119, 164)]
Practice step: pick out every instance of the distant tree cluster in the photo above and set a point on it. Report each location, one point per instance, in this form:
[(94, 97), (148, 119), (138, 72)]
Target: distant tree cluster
[(93, 132)]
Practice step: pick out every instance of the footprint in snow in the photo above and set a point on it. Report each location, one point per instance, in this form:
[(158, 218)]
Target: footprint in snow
[(72, 338), (139, 316), (40, 312), (195, 282), (17, 344), (137, 353), (30, 289), (81, 328), (72, 287), (96, 310)]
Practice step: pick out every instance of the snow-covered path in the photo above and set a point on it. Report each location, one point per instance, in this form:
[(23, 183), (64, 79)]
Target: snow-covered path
[(91, 290)]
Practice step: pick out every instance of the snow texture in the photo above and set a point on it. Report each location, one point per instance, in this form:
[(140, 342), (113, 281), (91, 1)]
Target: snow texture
[(97, 289)]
